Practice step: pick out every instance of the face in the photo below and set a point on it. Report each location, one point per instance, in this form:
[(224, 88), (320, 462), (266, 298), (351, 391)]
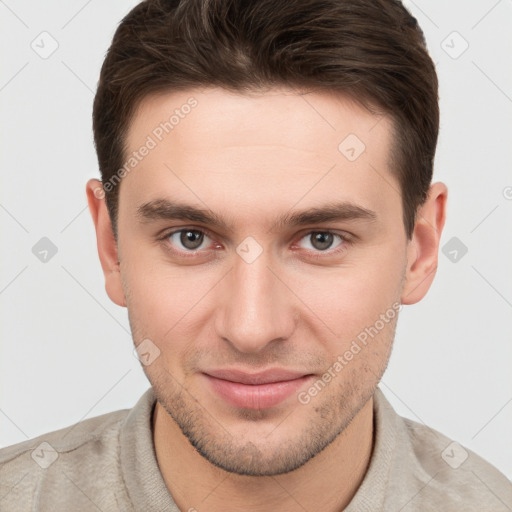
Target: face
[(269, 315)]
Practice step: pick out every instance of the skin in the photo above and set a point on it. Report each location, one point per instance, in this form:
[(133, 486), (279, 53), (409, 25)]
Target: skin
[(250, 158)]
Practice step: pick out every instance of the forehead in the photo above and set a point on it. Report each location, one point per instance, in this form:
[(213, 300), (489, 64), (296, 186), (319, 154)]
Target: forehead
[(258, 151), (205, 118)]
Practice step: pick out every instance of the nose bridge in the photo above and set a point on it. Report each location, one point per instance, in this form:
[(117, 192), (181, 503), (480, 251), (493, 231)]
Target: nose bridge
[(254, 309)]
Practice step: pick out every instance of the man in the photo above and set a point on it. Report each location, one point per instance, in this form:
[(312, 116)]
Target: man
[(265, 210)]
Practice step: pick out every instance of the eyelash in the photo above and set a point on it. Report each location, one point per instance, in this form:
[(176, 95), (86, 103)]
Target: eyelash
[(345, 238)]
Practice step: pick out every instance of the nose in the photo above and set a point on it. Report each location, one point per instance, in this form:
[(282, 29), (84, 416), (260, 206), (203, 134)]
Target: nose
[(255, 308)]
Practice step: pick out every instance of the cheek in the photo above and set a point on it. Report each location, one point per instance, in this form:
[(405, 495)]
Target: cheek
[(164, 300), (349, 299)]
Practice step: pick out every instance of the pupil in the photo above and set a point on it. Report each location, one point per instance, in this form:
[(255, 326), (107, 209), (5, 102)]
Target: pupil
[(323, 239)]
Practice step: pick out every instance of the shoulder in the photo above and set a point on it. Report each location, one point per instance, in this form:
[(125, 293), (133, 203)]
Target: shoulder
[(451, 476), (60, 458), (415, 467), (73, 437)]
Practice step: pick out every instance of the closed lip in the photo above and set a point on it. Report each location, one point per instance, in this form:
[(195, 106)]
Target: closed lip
[(268, 376)]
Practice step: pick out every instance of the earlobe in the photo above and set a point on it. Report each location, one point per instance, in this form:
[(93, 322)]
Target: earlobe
[(423, 249), (106, 243)]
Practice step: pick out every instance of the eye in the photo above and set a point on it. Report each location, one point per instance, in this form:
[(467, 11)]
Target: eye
[(189, 239), (190, 242), (322, 240)]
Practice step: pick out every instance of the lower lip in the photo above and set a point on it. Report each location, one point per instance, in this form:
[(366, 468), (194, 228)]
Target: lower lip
[(258, 396)]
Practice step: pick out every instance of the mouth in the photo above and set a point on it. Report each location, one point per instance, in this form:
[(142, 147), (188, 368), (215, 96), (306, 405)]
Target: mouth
[(255, 391)]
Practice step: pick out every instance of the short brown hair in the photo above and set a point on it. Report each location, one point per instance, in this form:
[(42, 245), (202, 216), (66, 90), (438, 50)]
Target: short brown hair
[(370, 50)]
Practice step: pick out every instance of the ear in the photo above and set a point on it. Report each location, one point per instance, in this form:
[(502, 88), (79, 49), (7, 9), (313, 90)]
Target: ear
[(107, 246), (423, 248)]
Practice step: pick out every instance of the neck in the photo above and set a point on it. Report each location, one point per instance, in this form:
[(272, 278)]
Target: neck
[(326, 482)]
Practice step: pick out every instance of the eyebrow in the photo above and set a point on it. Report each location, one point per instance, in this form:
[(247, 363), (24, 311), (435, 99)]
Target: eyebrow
[(164, 209)]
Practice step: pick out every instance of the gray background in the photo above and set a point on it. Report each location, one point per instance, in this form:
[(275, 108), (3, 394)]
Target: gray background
[(66, 350)]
